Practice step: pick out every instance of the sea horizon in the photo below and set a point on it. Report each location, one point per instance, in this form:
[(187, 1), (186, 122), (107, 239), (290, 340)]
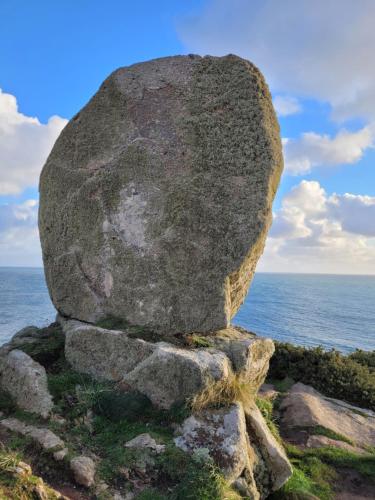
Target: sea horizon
[(334, 311)]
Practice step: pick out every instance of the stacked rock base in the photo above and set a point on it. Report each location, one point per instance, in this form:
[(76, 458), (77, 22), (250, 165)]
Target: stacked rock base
[(235, 437)]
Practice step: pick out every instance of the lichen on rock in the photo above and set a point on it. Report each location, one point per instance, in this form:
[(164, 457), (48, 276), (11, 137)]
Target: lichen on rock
[(156, 199)]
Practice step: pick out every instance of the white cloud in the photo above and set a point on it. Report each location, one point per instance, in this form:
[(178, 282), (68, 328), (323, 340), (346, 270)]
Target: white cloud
[(19, 239), (321, 49), (24, 145), (314, 232), (286, 105), (314, 150)]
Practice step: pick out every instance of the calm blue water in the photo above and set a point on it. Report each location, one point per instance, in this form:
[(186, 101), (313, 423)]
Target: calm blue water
[(327, 310)]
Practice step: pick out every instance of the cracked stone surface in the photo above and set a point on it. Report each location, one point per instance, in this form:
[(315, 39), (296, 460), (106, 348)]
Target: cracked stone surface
[(26, 381), (156, 199)]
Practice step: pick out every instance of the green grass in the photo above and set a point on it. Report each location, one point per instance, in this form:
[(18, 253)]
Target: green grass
[(282, 385), (350, 378), (323, 431), (266, 408)]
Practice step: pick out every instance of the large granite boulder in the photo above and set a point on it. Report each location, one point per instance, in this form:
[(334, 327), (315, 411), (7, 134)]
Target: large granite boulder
[(156, 199)]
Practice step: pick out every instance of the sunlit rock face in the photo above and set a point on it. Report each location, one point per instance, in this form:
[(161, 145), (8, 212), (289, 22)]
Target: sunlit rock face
[(156, 199)]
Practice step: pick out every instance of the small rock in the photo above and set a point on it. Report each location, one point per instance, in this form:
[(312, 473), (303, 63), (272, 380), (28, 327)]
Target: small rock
[(44, 437), (83, 469), (101, 488), (124, 472), (274, 457), (60, 455), (145, 441), (26, 382), (41, 492), (23, 469), (58, 419)]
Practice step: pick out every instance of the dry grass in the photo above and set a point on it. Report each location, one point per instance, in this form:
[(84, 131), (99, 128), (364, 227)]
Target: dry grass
[(218, 393)]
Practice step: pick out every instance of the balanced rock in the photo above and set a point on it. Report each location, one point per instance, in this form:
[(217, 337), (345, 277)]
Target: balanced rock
[(156, 199)]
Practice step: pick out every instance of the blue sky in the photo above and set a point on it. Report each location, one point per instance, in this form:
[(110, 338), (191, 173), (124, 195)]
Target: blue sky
[(316, 56)]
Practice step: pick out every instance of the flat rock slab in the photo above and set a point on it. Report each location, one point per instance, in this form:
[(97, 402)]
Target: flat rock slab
[(305, 407), (155, 201), (44, 437), (26, 381), (167, 374)]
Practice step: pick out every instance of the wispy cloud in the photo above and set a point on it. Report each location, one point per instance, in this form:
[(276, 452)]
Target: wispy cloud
[(313, 150)]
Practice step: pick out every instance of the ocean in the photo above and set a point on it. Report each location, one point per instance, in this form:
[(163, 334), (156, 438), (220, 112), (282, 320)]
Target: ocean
[(306, 309)]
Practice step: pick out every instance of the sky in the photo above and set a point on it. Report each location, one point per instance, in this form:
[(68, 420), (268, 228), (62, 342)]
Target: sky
[(317, 58)]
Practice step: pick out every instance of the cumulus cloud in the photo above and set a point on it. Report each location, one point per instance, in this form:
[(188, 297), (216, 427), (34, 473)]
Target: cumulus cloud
[(313, 150), (19, 239), (286, 105), (321, 49), (316, 232), (24, 145)]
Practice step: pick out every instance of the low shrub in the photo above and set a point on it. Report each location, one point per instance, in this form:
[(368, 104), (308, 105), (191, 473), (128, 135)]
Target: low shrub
[(332, 373), (365, 358)]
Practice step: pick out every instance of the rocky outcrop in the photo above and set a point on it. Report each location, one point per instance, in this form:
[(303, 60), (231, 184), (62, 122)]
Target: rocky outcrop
[(241, 444), (166, 373), (304, 407), (25, 380), (156, 199)]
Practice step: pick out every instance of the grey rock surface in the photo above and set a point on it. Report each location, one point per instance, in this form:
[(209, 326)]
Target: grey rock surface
[(26, 381), (42, 436), (271, 454), (83, 469), (305, 407), (166, 373), (156, 199), (222, 433), (240, 443)]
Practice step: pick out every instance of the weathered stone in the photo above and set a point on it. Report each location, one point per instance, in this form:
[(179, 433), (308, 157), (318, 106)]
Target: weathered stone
[(145, 441), (83, 469), (26, 381), (44, 437), (306, 407), (167, 374), (241, 444), (223, 434), (156, 199), (277, 466)]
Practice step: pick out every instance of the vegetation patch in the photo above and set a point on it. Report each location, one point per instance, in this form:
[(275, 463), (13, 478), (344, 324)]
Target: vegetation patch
[(332, 373), (236, 387)]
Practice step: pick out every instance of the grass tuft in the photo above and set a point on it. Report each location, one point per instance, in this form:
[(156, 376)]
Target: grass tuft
[(236, 387)]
